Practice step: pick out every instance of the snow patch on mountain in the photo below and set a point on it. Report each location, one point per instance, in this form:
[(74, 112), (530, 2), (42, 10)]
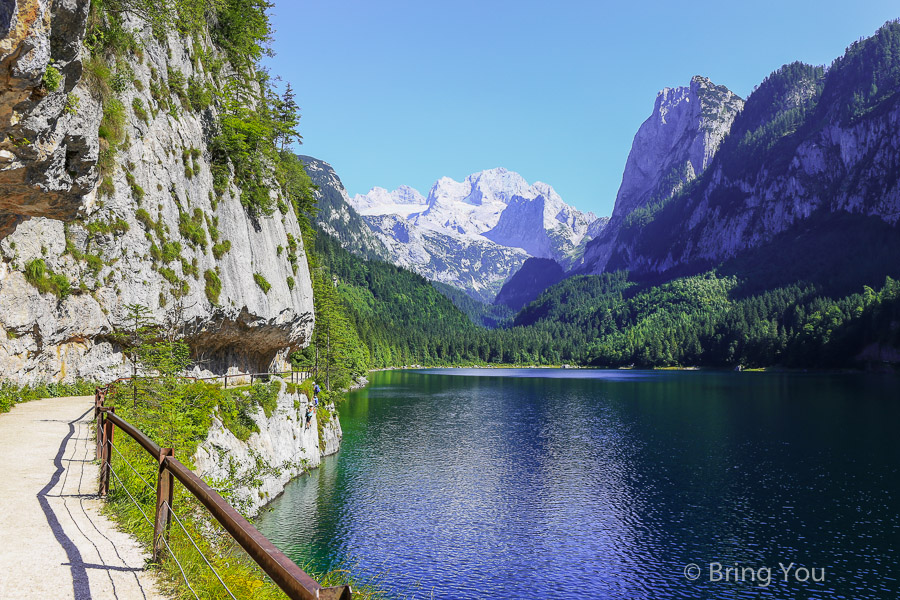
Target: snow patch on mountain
[(475, 233), (494, 206)]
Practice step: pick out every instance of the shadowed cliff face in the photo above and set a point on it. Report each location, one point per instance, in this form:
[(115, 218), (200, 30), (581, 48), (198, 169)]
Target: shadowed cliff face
[(47, 162), (148, 238), (809, 143), (671, 148)]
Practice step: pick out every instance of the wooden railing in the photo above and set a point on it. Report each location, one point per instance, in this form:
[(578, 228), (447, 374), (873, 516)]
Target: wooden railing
[(295, 582)]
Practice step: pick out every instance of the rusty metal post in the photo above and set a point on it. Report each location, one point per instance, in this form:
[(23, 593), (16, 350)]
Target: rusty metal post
[(106, 454), (165, 492)]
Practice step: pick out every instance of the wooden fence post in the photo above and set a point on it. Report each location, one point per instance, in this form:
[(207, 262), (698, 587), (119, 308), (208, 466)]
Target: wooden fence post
[(106, 454), (99, 397), (165, 492)]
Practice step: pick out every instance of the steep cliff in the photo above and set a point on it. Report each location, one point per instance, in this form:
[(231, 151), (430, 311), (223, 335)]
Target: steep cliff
[(814, 145), (672, 147), (113, 193), (255, 471), (336, 217)]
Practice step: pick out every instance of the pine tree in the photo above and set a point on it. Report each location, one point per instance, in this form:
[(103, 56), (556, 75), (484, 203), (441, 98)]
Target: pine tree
[(287, 117)]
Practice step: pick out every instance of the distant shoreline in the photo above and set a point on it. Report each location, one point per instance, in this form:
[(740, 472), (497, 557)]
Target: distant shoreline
[(888, 369)]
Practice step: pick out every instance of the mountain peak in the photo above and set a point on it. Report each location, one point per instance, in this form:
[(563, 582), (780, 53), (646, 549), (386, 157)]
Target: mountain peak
[(495, 210)]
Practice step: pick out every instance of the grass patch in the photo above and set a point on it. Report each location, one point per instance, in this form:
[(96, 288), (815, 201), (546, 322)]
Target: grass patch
[(137, 106), (213, 286), (262, 282), (116, 227), (41, 277), (112, 134), (137, 192), (191, 228), (221, 248)]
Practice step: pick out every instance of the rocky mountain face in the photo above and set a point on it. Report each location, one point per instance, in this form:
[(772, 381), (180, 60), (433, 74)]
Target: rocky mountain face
[(88, 227), (473, 234), (535, 276), (809, 144), (474, 264), (279, 451), (671, 148), (336, 217)]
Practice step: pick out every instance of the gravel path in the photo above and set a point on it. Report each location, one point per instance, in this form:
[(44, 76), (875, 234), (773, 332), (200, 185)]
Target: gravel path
[(54, 543)]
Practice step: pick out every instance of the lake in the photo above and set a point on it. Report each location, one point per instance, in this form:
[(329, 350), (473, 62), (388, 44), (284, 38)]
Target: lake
[(538, 483)]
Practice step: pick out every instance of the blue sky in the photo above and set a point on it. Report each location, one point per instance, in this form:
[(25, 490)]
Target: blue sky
[(406, 92)]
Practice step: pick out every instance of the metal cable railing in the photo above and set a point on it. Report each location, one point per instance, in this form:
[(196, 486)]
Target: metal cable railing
[(137, 505), (199, 551), (180, 568), (295, 376), (285, 573)]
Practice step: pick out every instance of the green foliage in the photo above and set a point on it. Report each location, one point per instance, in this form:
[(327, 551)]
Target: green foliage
[(213, 286), (41, 277), (12, 394), (243, 31), (262, 282), (246, 142), (291, 283), (867, 75), (490, 316), (137, 192), (94, 263), (266, 396), (236, 411), (219, 249), (190, 268), (72, 104), (171, 276), (122, 77), (112, 134), (97, 74), (137, 106), (52, 78), (297, 186), (176, 82), (286, 118), (191, 227), (112, 125), (145, 219), (115, 227), (199, 94)]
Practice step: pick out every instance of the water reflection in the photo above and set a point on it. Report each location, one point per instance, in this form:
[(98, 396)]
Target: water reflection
[(605, 484)]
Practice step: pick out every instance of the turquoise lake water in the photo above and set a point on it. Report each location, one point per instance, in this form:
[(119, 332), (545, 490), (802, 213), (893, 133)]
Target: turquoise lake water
[(514, 483)]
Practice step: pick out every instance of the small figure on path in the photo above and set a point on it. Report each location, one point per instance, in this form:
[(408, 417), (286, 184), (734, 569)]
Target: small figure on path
[(309, 414)]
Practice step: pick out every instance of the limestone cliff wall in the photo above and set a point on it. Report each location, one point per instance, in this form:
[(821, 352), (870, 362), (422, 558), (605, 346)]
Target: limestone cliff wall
[(672, 147), (52, 208), (839, 168), (254, 472)]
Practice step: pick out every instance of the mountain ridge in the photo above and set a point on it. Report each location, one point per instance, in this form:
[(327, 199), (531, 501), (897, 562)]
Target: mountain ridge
[(474, 234)]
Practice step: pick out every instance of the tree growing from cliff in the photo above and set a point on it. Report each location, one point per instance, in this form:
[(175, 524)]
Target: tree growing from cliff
[(156, 352), (286, 115)]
